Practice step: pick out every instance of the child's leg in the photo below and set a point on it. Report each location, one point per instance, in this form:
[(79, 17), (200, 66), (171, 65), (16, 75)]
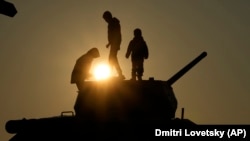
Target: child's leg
[(140, 69), (133, 72)]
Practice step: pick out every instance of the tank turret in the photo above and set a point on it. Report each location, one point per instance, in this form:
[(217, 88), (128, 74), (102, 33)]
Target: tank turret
[(110, 108), (128, 100)]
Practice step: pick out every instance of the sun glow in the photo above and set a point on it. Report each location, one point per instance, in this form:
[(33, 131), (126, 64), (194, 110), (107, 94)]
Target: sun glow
[(101, 71)]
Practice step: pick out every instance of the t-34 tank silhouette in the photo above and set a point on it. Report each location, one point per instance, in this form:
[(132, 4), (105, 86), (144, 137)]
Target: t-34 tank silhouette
[(110, 109)]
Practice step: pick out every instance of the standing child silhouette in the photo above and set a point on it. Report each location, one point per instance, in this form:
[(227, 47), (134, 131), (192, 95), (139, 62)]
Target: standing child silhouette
[(114, 41), (139, 51)]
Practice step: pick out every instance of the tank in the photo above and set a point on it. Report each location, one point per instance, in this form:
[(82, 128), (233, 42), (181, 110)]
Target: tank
[(114, 108)]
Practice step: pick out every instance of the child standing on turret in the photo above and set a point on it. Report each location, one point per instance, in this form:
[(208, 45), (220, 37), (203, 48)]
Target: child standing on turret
[(139, 51)]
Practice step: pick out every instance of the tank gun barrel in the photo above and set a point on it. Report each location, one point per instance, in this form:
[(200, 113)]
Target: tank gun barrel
[(185, 69)]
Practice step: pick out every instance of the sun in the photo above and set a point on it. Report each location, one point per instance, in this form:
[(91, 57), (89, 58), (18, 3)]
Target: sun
[(101, 71)]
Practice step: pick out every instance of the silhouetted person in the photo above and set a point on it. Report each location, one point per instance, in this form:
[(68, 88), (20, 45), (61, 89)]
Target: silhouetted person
[(139, 51), (82, 67), (114, 41)]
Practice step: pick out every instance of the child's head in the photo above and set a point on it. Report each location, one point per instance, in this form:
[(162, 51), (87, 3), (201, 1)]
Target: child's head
[(107, 16), (94, 52), (137, 32)]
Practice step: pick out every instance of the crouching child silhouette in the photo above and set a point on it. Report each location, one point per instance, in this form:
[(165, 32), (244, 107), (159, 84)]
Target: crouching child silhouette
[(82, 67), (139, 51)]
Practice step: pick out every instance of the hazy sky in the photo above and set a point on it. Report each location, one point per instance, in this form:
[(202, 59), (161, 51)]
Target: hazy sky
[(39, 46)]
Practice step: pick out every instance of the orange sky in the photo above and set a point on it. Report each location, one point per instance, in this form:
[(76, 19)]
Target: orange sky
[(39, 46)]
